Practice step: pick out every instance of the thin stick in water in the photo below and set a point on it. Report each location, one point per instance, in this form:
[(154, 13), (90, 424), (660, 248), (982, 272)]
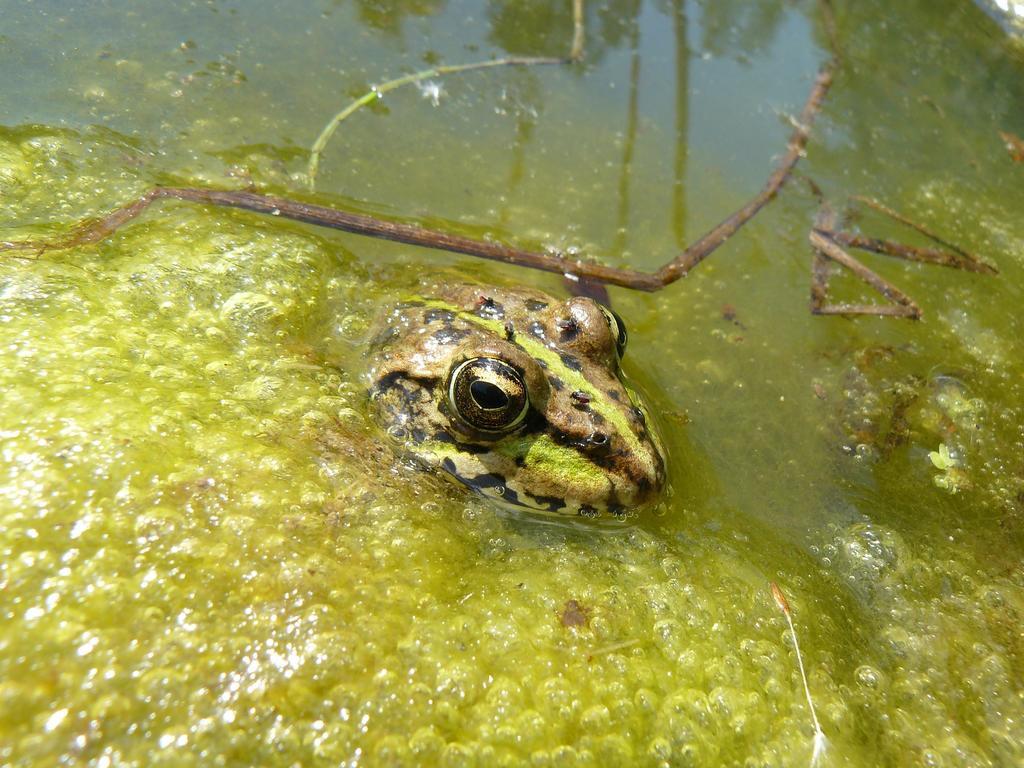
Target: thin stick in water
[(378, 91), (578, 33), (820, 743)]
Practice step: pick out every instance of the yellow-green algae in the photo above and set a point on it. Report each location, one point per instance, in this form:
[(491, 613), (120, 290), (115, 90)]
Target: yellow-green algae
[(189, 576), (206, 558)]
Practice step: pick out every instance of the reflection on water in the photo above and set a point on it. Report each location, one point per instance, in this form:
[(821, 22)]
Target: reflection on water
[(1009, 12), (207, 555)]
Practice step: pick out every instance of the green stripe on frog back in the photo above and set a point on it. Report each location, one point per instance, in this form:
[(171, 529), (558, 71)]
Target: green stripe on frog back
[(539, 351)]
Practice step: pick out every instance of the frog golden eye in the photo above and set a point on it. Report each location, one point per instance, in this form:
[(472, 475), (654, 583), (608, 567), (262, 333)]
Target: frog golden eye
[(488, 394), (618, 328)]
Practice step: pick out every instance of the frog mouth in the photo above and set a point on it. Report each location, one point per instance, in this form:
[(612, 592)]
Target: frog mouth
[(496, 489)]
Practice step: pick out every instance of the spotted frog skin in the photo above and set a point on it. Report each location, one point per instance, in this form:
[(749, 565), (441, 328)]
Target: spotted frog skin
[(519, 396)]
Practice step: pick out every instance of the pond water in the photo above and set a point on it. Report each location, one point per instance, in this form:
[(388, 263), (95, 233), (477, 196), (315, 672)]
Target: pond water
[(206, 557)]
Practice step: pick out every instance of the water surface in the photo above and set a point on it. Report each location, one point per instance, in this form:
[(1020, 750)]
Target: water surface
[(206, 556)]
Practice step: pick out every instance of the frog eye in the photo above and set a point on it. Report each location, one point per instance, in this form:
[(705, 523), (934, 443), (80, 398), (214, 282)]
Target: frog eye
[(488, 394), (618, 328)]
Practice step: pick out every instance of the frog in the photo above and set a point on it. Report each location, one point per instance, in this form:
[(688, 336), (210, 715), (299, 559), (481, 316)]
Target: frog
[(519, 396)]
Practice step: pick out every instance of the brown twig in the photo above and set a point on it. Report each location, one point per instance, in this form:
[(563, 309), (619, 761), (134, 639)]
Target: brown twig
[(412, 234), (96, 230), (827, 243), (825, 246), (942, 258), (828, 18), (707, 244), (827, 240), (967, 261)]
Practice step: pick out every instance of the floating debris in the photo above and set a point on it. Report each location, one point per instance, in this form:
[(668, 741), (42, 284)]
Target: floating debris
[(1014, 145), (574, 614), (820, 743), (432, 90)]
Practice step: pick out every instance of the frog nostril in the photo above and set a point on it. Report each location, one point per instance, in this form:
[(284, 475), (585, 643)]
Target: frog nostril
[(599, 438), (568, 328), (580, 399)]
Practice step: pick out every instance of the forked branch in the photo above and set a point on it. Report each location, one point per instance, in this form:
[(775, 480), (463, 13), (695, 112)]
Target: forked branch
[(411, 234), (829, 242)]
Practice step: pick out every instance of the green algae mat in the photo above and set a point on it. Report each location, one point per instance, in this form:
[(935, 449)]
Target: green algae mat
[(208, 554)]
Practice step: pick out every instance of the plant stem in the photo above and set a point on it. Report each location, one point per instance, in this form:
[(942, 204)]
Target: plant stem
[(820, 743), (378, 91)]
